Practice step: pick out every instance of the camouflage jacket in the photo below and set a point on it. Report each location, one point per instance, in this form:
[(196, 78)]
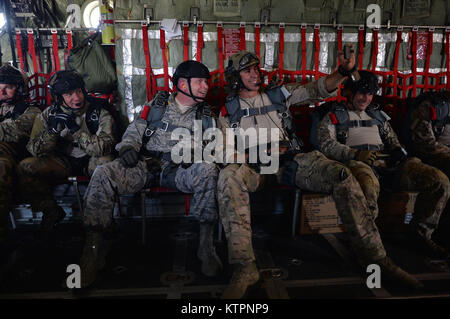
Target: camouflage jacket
[(16, 128), (422, 134), (300, 94), (43, 143), (160, 141), (331, 148)]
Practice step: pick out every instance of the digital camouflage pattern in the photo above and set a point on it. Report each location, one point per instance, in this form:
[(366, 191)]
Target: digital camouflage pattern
[(314, 173), (52, 161), (433, 186), (14, 134), (200, 179), (161, 140), (426, 146), (329, 145)]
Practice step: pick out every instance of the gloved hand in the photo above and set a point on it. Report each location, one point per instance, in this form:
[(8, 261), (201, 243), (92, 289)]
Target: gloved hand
[(71, 124), (57, 122), (368, 157), (397, 156), (128, 156), (60, 120)]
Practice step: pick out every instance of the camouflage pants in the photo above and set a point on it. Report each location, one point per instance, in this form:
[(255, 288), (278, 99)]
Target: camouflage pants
[(315, 173), (200, 179), (8, 166), (414, 176), (39, 175)]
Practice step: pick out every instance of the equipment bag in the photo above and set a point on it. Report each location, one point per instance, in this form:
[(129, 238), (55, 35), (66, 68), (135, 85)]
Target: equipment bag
[(90, 60)]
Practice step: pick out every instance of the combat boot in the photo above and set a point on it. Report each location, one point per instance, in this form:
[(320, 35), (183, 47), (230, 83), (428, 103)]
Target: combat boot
[(52, 214), (432, 248), (394, 272), (244, 275), (93, 258), (211, 264)]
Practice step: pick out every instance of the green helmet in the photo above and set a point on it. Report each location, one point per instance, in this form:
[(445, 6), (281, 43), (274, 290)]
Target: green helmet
[(238, 62), (12, 75)]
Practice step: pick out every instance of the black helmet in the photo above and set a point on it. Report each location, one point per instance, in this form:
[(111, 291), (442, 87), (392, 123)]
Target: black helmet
[(367, 83), (190, 69), (65, 81), (12, 75), (238, 62)]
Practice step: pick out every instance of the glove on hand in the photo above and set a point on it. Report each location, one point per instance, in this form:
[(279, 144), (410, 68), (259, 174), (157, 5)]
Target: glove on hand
[(71, 124), (368, 157), (58, 121), (128, 156), (397, 156)]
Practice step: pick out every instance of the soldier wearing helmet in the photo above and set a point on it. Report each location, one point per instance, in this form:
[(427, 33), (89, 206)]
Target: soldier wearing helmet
[(145, 160), (70, 137), (358, 134), (16, 121), (427, 136), (250, 106)]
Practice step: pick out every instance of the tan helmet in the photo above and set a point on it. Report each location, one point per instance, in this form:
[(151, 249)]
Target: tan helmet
[(238, 62)]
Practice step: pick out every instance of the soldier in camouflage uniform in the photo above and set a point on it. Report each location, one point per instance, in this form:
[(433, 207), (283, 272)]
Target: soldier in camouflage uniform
[(71, 137), (358, 134), (429, 132), (16, 121), (309, 171), (145, 160)]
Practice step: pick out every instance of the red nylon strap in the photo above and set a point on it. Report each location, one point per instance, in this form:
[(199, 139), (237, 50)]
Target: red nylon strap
[(32, 50), (433, 114), (199, 42), (333, 119), (339, 41), (162, 43), (69, 39), (414, 61), (186, 42), (19, 48), (361, 47), (316, 52), (258, 41), (304, 80), (375, 49), (428, 58), (447, 52), (242, 46), (55, 49), (396, 55), (281, 54), (145, 111), (148, 68), (221, 61)]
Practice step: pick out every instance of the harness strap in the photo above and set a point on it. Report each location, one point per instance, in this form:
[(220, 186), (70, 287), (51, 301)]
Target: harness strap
[(199, 41), (55, 49), (19, 48)]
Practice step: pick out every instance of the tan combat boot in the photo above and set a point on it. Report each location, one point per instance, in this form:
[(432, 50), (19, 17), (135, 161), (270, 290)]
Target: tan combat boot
[(244, 275), (394, 272), (52, 214), (211, 264), (93, 258)]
